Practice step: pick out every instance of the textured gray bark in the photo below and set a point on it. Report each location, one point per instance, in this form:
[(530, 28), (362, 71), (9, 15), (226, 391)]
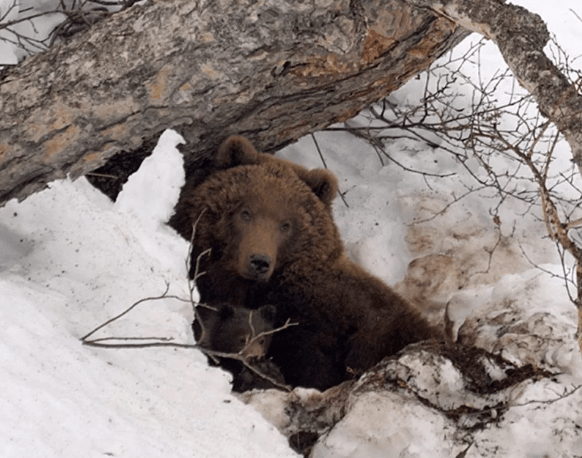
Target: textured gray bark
[(272, 70)]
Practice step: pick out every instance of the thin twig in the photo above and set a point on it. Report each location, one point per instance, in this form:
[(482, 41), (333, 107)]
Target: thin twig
[(134, 305)]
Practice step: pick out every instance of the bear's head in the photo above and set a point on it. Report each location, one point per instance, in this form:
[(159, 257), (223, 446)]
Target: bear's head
[(260, 213), (237, 150), (235, 330)]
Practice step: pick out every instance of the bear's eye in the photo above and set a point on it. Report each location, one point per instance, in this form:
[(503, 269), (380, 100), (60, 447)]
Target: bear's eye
[(286, 228), (245, 215), (243, 341)]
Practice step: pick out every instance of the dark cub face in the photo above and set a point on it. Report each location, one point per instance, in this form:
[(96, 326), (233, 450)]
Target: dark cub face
[(236, 330)]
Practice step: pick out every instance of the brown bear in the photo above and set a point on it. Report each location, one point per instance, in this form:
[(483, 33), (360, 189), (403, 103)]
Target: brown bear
[(240, 263), (272, 238), (242, 332)]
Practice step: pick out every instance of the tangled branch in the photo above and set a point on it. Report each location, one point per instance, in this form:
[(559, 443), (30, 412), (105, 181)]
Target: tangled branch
[(149, 342)]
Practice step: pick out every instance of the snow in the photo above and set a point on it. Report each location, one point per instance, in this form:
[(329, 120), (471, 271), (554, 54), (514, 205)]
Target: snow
[(370, 431), (70, 260), (74, 261)]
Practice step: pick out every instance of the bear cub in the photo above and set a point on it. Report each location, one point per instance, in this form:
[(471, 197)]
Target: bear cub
[(229, 329), (242, 332)]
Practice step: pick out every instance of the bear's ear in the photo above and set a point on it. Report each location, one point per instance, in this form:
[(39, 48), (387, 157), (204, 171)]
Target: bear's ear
[(236, 150), (207, 315), (323, 183), (268, 313)]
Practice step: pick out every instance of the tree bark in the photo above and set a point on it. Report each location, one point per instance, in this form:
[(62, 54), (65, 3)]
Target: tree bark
[(271, 70)]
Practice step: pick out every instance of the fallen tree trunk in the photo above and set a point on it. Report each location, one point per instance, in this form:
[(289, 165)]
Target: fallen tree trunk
[(273, 71)]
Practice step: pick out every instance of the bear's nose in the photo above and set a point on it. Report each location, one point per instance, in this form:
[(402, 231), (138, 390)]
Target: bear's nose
[(259, 264)]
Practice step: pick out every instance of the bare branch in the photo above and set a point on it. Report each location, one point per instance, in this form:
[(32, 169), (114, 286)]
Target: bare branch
[(98, 343), (521, 37), (166, 342), (125, 312)]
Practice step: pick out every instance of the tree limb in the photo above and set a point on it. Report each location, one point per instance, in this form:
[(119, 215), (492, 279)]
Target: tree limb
[(273, 71)]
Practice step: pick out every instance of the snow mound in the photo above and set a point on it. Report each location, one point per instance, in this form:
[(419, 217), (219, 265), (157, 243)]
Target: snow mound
[(513, 372), (69, 261), (526, 322)]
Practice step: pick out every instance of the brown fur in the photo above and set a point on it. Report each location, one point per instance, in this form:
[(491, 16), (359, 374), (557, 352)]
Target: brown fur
[(273, 239), (237, 151), (239, 331), (235, 330)]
